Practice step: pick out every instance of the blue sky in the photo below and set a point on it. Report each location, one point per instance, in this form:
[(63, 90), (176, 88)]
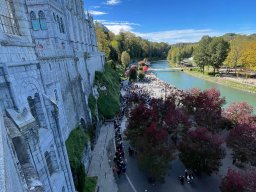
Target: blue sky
[(175, 21)]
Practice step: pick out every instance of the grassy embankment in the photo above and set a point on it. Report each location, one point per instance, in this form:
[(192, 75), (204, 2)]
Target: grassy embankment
[(220, 80), (75, 144), (108, 104), (109, 99)]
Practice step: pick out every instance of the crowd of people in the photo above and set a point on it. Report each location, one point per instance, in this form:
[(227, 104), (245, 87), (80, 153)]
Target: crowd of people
[(147, 89), (119, 160), (187, 177)]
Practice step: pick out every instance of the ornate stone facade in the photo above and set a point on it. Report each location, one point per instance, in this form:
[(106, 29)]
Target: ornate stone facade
[(48, 58)]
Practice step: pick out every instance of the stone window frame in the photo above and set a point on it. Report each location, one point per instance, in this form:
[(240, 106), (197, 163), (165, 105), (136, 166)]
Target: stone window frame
[(62, 29), (34, 21), (51, 160), (56, 95), (54, 17), (42, 20), (58, 21), (8, 22)]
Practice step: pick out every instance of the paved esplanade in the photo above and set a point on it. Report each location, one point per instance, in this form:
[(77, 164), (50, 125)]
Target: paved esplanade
[(135, 180), (100, 165), (138, 179)]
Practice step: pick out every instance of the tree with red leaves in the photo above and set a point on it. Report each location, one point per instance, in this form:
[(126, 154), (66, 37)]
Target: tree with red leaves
[(242, 140), (140, 118), (239, 113), (205, 107), (239, 181), (233, 182), (155, 152), (148, 134), (251, 180), (176, 120), (201, 150)]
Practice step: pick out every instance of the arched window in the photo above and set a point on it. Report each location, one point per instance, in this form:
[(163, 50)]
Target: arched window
[(49, 162), (34, 21), (58, 22), (42, 20), (7, 18), (56, 95), (32, 106), (62, 30), (54, 17)]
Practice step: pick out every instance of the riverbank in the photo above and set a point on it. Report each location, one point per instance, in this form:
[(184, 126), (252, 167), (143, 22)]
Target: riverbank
[(155, 88), (236, 84)]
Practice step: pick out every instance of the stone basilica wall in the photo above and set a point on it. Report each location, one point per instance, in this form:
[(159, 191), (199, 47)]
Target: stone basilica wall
[(9, 177), (46, 77)]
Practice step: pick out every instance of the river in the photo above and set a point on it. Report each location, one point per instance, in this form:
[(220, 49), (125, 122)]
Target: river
[(185, 81)]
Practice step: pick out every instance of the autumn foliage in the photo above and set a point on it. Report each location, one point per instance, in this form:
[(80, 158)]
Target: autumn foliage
[(242, 140), (233, 182), (150, 132), (205, 107), (201, 150), (239, 181), (158, 128), (239, 113), (242, 136)]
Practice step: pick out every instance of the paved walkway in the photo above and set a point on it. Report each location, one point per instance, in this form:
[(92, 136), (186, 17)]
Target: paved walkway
[(100, 163), (135, 180)]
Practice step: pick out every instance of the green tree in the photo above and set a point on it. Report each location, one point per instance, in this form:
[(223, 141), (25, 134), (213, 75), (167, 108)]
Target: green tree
[(125, 58), (201, 55), (138, 48), (235, 53), (103, 40), (218, 49), (248, 57), (179, 52)]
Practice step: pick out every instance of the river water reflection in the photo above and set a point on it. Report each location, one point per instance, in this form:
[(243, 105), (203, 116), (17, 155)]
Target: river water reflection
[(184, 81)]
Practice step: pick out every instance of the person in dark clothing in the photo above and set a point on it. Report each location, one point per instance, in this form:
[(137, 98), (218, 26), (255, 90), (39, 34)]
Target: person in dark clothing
[(182, 179)]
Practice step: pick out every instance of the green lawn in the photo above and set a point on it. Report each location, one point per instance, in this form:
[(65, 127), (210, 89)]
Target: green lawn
[(109, 100), (75, 144), (229, 83), (90, 184)]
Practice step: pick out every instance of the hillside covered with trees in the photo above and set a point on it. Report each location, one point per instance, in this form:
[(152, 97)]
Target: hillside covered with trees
[(230, 50), (127, 43)]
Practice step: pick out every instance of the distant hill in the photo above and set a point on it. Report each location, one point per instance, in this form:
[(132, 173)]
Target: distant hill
[(232, 36)]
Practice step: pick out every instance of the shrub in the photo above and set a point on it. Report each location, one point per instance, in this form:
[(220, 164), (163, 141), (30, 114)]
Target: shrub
[(141, 76), (75, 145), (90, 184), (233, 182)]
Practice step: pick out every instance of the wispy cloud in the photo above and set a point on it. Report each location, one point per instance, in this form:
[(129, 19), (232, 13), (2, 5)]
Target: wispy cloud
[(169, 36), (95, 7), (187, 35), (175, 36), (117, 26), (113, 2), (94, 12)]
